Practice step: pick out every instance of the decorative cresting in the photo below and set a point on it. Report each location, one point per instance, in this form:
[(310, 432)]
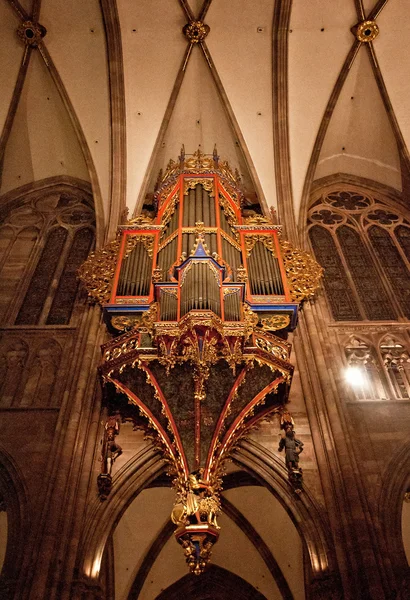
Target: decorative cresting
[(195, 293)]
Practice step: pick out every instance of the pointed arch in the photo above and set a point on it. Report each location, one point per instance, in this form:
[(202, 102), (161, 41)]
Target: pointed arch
[(216, 584), (130, 480), (13, 490), (395, 482), (305, 514)]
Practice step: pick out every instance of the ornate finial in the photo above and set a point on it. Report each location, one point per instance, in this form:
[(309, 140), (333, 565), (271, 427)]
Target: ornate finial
[(124, 215), (273, 215), (215, 157), (159, 179), (31, 33), (366, 31), (196, 31), (181, 157)]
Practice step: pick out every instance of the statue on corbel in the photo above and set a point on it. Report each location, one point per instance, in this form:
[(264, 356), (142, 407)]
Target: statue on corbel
[(293, 448), (110, 451)]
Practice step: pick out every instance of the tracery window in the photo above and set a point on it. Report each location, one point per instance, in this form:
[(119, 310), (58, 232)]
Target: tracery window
[(365, 374), (43, 241), (364, 247), (378, 368)]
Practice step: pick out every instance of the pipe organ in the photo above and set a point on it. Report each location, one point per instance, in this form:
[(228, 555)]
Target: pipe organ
[(199, 298), (201, 252)]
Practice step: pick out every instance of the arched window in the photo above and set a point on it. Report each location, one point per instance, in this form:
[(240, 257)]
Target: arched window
[(364, 247), (396, 362), (363, 370), (43, 242), (378, 369)]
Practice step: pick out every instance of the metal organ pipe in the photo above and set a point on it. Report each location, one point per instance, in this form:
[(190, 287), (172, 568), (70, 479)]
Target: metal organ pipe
[(212, 211), (198, 203), (185, 218), (206, 201)]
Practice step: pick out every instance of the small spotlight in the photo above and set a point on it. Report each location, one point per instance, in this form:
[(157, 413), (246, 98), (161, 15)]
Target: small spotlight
[(355, 376)]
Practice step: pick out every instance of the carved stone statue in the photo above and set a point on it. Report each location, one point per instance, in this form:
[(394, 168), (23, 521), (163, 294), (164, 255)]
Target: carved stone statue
[(110, 450), (293, 447)]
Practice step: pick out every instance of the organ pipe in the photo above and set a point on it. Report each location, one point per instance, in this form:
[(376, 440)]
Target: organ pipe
[(199, 288)]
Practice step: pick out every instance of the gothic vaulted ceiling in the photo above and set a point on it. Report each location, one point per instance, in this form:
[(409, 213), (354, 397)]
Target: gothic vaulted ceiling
[(290, 93)]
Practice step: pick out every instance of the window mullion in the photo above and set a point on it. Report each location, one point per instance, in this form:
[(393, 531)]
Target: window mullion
[(54, 283), (400, 249), (21, 290), (384, 372), (348, 274), (380, 269)]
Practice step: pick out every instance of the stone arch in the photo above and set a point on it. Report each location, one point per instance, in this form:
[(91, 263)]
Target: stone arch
[(130, 480), (351, 183), (302, 509), (13, 491), (215, 584), (395, 482), (266, 469)]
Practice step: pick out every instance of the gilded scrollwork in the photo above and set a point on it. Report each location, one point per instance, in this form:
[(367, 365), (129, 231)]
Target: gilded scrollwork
[(170, 209), (125, 322), (302, 271), (265, 238), (251, 319), (168, 240), (97, 272), (150, 317), (206, 182), (229, 213), (272, 347), (275, 322), (231, 241), (257, 220), (134, 239)]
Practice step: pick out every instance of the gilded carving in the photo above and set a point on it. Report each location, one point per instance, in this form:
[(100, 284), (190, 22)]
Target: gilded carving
[(366, 31), (97, 272), (251, 319), (231, 241), (241, 274), (125, 322), (275, 322), (257, 220), (302, 271), (168, 240), (196, 31), (170, 209), (272, 347), (206, 182), (133, 239), (265, 238)]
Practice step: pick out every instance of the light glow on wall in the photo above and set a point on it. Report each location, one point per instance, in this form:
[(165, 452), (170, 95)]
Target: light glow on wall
[(355, 376)]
